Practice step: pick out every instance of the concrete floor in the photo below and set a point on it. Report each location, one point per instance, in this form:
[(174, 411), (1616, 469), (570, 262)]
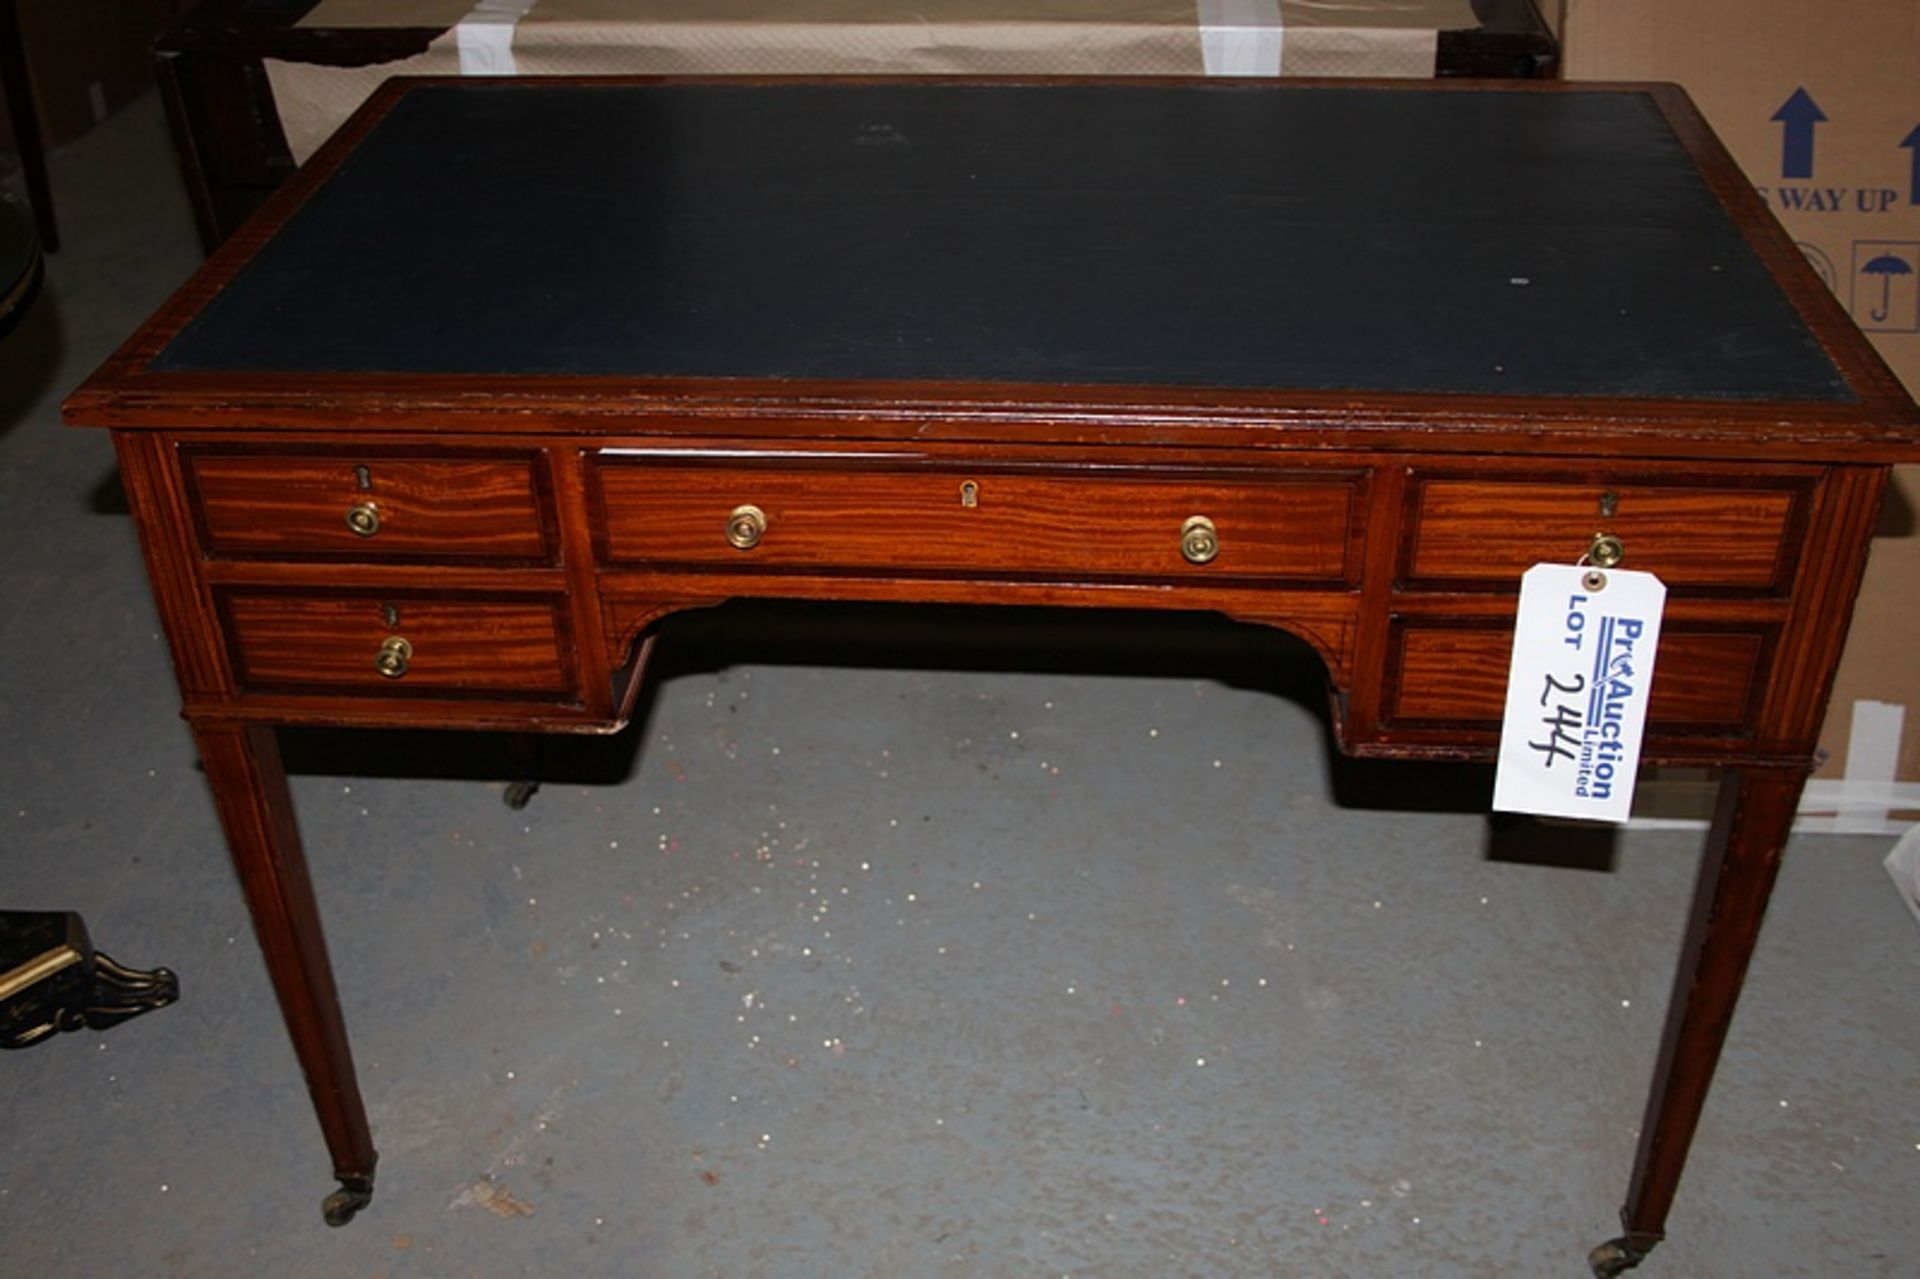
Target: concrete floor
[(893, 944)]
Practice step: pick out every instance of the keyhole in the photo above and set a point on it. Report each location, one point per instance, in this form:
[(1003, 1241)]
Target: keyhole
[(363, 477), (969, 494), (1609, 503), (391, 614)]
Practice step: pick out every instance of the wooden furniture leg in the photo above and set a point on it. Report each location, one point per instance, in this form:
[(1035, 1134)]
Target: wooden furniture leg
[(1742, 858), (256, 811)]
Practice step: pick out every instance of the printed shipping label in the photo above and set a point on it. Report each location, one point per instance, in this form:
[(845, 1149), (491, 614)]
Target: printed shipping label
[(1583, 650)]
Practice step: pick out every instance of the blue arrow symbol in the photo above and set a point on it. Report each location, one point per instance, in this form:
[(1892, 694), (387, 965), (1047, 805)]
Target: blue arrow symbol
[(1799, 114), (1912, 143)]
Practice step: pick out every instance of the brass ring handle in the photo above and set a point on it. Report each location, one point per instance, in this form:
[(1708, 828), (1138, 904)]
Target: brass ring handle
[(393, 657), (745, 527), (364, 519), (1606, 550), (1199, 540)]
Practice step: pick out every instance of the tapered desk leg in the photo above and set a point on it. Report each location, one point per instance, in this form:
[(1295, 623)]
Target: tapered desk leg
[(250, 790), (1737, 871)]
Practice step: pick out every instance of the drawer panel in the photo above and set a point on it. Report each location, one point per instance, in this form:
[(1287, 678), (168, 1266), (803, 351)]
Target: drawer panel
[(1304, 527), (295, 506), (1473, 531), (1705, 681), (322, 642)]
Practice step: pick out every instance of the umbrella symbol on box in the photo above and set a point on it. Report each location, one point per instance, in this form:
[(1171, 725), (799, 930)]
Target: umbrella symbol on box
[(1886, 266)]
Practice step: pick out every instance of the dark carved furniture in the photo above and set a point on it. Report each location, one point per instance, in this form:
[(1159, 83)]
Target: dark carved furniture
[(53, 980), (436, 443), (21, 267), (16, 86)]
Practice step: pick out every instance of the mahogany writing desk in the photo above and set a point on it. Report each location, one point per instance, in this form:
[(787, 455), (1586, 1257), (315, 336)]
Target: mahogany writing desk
[(515, 369)]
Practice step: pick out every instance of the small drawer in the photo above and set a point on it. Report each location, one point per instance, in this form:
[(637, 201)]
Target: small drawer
[(1302, 527), (514, 647), (1472, 532), (370, 507), (1707, 679)]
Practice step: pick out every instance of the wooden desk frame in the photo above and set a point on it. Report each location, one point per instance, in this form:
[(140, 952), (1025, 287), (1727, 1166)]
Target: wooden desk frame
[(1382, 597)]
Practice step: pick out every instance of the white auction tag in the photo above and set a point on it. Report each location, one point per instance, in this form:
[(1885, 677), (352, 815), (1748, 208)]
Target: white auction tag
[(1583, 649)]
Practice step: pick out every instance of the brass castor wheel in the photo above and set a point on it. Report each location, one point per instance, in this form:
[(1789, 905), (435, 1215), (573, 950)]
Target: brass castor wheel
[(1615, 1257), (518, 793), (354, 1194)]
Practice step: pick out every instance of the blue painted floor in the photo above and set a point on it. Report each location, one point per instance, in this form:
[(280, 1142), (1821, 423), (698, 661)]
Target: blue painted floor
[(888, 944)]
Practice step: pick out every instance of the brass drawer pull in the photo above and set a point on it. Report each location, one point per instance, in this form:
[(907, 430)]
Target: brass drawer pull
[(745, 527), (1606, 550), (394, 656), (364, 519), (1199, 540)]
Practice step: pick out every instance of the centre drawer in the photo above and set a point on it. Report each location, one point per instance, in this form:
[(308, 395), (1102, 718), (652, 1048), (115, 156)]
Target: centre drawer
[(371, 506), (1302, 526), (395, 644)]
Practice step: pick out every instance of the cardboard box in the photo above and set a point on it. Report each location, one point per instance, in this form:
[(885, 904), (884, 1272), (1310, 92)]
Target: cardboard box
[(1819, 102), (86, 58)]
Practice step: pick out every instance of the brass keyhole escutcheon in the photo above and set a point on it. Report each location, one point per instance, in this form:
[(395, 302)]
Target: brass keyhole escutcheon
[(969, 494), (745, 527), (363, 478), (1199, 540), (1609, 503), (364, 519), (1606, 550), (393, 657)]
